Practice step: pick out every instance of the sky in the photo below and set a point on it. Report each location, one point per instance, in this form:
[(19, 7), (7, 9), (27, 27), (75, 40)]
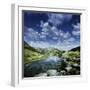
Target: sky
[(51, 29)]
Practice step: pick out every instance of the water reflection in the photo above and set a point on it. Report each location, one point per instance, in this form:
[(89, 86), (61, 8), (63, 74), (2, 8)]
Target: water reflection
[(42, 67)]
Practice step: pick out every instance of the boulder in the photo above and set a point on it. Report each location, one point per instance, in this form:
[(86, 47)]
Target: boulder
[(41, 75), (52, 72)]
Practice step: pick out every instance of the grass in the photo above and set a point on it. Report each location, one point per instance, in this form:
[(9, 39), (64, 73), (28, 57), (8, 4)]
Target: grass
[(31, 56)]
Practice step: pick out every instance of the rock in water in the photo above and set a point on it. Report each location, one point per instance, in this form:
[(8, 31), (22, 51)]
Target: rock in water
[(68, 68), (41, 75), (52, 72)]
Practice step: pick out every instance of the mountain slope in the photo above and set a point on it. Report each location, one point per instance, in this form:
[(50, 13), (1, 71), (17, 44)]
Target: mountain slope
[(76, 49), (27, 46), (56, 52), (31, 54)]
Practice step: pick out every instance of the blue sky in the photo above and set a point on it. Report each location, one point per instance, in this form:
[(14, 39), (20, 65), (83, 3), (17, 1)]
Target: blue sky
[(51, 30)]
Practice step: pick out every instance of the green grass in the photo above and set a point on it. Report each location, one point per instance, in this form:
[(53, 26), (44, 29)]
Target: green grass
[(71, 55), (31, 56)]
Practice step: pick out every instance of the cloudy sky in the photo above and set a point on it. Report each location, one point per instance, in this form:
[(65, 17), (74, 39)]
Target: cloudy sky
[(48, 29)]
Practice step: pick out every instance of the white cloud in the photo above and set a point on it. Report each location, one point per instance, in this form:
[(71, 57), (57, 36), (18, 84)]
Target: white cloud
[(76, 33), (64, 35), (44, 24), (71, 39), (45, 27), (55, 38), (40, 44), (55, 34), (57, 19), (64, 41), (67, 35), (43, 37), (54, 19), (65, 45), (50, 31), (61, 33), (31, 34), (77, 26), (53, 31), (76, 29)]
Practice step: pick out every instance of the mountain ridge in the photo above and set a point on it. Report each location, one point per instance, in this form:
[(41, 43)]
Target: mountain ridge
[(75, 49)]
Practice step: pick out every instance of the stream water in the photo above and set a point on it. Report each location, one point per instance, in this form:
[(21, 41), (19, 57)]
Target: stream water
[(42, 67)]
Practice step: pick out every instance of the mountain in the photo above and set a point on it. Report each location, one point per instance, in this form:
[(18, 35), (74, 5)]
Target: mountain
[(76, 49), (56, 52), (27, 46), (42, 50), (50, 51), (35, 54), (31, 54)]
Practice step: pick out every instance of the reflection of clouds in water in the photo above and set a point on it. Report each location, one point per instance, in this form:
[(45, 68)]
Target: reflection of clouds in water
[(42, 66), (53, 58)]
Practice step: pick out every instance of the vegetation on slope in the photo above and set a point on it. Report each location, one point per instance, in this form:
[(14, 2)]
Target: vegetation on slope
[(72, 58), (31, 54)]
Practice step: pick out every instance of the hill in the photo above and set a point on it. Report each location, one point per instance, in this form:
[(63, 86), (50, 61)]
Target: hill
[(56, 52), (31, 54), (76, 49), (27, 46)]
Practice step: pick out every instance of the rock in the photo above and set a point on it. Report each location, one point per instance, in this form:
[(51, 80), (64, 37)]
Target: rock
[(41, 75), (68, 68), (75, 65), (52, 72), (63, 72), (64, 60)]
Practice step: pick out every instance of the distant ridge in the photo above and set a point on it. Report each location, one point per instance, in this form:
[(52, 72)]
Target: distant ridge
[(27, 46), (76, 49)]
